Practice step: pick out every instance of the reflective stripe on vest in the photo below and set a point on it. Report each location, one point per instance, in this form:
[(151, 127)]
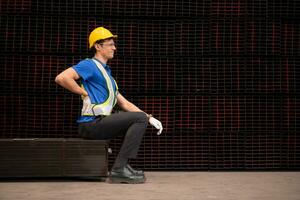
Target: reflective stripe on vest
[(105, 108)]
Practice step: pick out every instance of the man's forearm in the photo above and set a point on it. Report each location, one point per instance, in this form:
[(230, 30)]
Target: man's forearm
[(130, 107), (71, 85)]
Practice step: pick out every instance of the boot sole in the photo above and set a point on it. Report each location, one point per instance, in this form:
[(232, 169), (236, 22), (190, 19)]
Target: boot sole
[(126, 181)]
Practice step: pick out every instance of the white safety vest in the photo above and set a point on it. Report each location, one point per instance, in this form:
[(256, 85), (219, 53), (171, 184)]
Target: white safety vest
[(105, 108)]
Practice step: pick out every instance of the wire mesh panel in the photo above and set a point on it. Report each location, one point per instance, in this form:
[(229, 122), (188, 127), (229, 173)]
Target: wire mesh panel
[(222, 76)]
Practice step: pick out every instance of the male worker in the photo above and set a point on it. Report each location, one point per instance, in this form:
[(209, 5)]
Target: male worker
[(99, 92)]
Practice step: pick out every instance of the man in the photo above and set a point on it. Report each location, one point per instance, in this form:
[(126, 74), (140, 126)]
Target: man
[(99, 92)]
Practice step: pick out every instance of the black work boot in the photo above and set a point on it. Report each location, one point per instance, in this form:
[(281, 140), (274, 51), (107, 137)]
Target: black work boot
[(137, 172), (124, 175)]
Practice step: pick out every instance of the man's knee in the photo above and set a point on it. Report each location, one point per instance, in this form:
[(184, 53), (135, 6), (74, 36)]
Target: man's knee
[(142, 117)]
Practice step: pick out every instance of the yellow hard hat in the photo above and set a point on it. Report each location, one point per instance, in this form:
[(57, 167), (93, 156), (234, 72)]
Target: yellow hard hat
[(100, 33)]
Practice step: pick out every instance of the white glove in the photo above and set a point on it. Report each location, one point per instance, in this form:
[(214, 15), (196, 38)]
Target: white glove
[(86, 106), (157, 124)]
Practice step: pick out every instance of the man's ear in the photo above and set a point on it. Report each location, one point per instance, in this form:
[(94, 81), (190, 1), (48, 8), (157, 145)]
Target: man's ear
[(97, 46)]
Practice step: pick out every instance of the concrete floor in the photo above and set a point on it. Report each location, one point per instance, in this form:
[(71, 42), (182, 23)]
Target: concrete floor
[(162, 185)]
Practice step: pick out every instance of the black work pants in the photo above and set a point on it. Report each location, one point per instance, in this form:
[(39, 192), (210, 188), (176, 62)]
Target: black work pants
[(132, 124)]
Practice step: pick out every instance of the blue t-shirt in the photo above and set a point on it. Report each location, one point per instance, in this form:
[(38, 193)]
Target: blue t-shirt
[(94, 83)]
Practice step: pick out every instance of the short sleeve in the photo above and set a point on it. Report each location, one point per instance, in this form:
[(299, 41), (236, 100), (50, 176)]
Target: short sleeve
[(85, 69)]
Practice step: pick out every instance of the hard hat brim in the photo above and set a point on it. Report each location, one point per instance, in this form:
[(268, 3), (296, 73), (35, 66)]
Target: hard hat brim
[(114, 36)]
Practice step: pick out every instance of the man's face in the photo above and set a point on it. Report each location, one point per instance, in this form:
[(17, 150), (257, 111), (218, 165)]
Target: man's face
[(107, 48)]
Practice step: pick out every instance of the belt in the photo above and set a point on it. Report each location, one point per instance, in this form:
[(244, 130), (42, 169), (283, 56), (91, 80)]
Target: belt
[(97, 118), (100, 116)]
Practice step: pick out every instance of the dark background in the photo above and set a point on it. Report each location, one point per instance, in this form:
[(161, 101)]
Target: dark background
[(222, 76)]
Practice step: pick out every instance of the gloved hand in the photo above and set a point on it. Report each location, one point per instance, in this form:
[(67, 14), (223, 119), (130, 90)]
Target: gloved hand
[(157, 124), (86, 106)]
